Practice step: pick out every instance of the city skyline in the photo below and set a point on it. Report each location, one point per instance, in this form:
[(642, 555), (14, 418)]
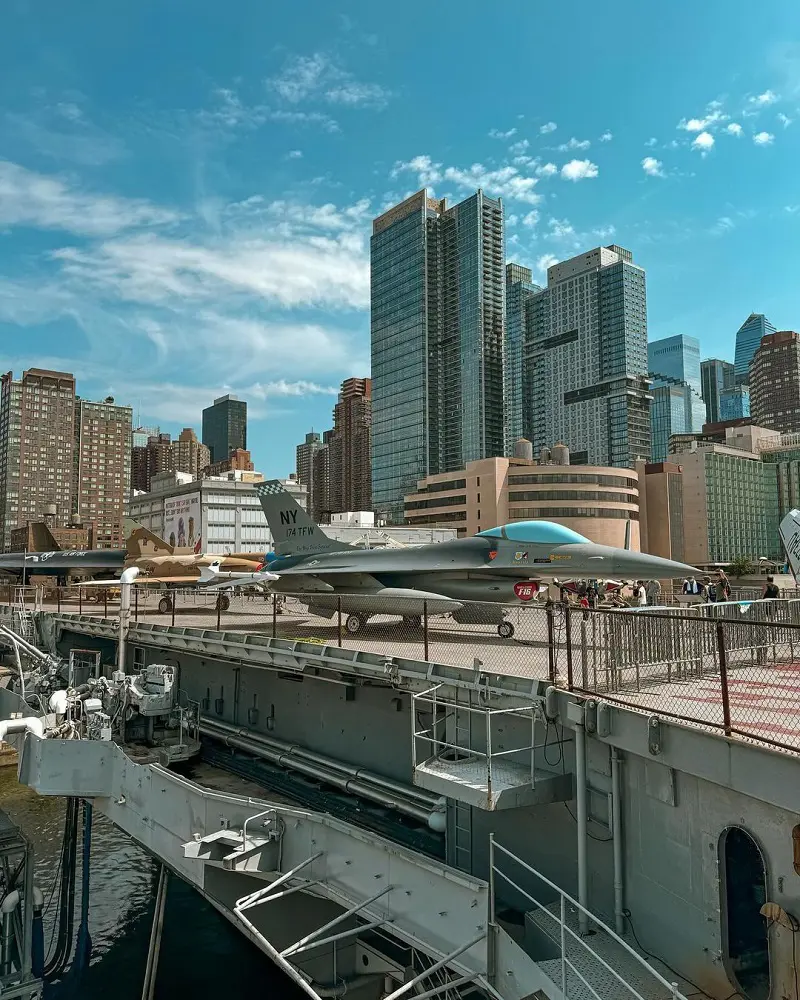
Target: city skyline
[(202, 229)]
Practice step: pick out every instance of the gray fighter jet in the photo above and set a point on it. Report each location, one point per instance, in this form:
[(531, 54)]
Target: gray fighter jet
[(501, 568)]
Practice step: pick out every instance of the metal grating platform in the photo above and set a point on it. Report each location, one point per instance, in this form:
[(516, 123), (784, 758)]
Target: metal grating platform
[(641, 984), (467, 780)]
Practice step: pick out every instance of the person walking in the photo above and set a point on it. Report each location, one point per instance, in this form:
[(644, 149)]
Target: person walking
[(723, 586), (771, 589), (653, 590)]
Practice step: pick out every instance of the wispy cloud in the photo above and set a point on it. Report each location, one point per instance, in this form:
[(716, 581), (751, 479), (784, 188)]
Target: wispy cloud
[(505, 181), (763, 138), (295, 154), (496, 133), (548, 127), (704, 142), (519, 147), (606, 137), (763, 100), (734, 129), (545, 261), (652, 167), (714, 115), (579, 170), (785, 120), (531, 219), (573, 143), (652, 141), (40, 201), (560, 229), (546, 170), (318, 77)]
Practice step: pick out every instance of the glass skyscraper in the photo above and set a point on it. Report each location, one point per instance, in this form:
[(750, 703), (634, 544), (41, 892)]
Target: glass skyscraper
[(225, 427), (734, 403), (519, 290), (715, 376), (678, 408), (437, 335), (748, 339), (585, 360)]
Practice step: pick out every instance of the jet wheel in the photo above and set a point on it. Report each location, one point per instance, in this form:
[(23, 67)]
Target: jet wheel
[(165, 605), (505, 630), (355, 623), (223, 602), (412, 621)]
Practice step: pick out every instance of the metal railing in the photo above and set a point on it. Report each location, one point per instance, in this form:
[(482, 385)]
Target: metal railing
[(570, 942)]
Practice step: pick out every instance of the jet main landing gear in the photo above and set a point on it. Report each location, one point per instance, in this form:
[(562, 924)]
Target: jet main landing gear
[(355, 623), (505, 630)]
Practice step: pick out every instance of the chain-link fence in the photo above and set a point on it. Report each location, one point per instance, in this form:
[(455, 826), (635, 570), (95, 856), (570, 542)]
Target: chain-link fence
[(729, 666)]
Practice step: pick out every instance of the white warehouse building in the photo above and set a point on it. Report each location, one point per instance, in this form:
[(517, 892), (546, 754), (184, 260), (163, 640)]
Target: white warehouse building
[(223, 514)]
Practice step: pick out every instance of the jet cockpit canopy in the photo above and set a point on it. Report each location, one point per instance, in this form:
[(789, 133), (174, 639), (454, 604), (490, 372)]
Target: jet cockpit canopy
[(535, 533)]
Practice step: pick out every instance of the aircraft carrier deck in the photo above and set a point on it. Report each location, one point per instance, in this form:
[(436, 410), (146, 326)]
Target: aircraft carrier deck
[(605, 805)]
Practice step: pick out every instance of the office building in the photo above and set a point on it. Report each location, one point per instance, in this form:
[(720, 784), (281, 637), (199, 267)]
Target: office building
[(748, 339), (37, 444), (437, 334), (661, 509), (783, 452), (239, 460), (775, 382), (162, 454), (600, 503), (677, 408), (141, 435), (304, 464), (715, 375), (349, 444), (225, 427), (734, 403), (519, 290), (102, 468), (585, 365)]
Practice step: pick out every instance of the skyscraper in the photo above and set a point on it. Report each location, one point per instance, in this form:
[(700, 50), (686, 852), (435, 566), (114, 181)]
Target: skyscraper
[(225, 427), (748, 338), (585, 360), (162, 454), (437, 325), (734, 402), (350, 470), (715, 376), (102, 468), (304, 467), (37, 443), (678, 408), (775, 382), (519, 290)]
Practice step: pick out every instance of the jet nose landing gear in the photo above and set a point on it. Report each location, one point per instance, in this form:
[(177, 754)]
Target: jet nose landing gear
[(505, 630)]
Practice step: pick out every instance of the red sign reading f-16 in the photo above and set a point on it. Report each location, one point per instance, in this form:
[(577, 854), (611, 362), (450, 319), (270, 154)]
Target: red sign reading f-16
[(526, 591)]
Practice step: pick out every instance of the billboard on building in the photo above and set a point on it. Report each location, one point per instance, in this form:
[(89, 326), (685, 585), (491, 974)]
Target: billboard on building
[(182, 521)]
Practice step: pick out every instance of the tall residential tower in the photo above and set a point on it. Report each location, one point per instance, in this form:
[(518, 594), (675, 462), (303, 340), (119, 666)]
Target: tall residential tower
[(519, 291), (585, 368), (438, 327)]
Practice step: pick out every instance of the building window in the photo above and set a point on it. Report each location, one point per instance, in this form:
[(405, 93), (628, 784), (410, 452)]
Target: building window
[(743, 887)]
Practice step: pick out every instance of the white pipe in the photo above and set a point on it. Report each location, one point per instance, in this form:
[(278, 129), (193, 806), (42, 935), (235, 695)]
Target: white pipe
[(28, 725), (583, 825), (10, 903), (126, 581), (19, 668), (616, 823), (11, 634)]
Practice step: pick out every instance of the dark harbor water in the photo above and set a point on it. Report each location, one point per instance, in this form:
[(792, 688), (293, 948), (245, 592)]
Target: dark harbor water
[(202, 955)]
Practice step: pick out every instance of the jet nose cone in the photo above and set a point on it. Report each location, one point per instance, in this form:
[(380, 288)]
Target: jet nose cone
[(642, 566)]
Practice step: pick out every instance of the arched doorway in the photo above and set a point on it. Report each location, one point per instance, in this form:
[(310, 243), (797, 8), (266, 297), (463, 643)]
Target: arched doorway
[(745, 932)]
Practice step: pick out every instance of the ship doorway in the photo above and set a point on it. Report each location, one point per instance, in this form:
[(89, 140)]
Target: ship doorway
[(745, 931)]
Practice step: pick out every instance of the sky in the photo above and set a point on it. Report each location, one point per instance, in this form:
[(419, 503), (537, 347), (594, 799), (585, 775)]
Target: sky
[(187, 188)]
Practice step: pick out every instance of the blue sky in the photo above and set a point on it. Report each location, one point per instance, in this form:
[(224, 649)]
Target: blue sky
[(186, 188)]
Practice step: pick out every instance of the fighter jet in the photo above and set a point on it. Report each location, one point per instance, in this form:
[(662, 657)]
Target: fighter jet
[(789, 530), (501, 568)]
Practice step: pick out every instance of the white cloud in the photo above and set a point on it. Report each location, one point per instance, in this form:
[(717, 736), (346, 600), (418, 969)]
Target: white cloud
[(545, 261), (734, 129), (713, 116), (505, 182), (429, 172), (723, 225), (511, 221), (763, 138), (295, 154), (652, 167), (652, 141), (791, 209), (497, 134), (574, 143), (531, 219), (606, 137), (546, 170), (519, 147), (548, 127), (704, 142), (578, 170), (317, 77), (45, 202), (560, 229), (785, 120), (763, 100)]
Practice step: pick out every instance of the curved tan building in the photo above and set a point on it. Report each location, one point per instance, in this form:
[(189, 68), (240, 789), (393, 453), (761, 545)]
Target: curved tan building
[(597, 501)]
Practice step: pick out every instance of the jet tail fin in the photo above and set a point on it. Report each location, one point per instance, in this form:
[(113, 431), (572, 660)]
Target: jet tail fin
[(141, 541), (790, 536), (293, 532), (43, 540)]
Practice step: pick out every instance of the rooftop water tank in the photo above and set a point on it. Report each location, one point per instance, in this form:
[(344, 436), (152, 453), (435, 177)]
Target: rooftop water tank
[(544, 456), (560, 454), (523, 449)]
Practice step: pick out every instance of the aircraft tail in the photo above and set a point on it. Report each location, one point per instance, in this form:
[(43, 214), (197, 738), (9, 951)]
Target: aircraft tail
[(141, 541), (790, 536), (293, 532), (43, 540)]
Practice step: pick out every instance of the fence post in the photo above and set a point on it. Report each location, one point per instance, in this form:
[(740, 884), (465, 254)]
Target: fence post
[(723, 678), (339, 621), (275, 616), (136, 603), (551, 652), (425, 628), (568, 628), (173, 602), (58, 599), (219, 611), (105, 602), (80, 600)]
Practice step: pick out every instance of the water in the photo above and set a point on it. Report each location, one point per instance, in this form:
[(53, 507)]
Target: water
[(202, 955)]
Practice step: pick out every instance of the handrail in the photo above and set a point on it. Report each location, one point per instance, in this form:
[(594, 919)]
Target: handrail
[(674, 992)]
